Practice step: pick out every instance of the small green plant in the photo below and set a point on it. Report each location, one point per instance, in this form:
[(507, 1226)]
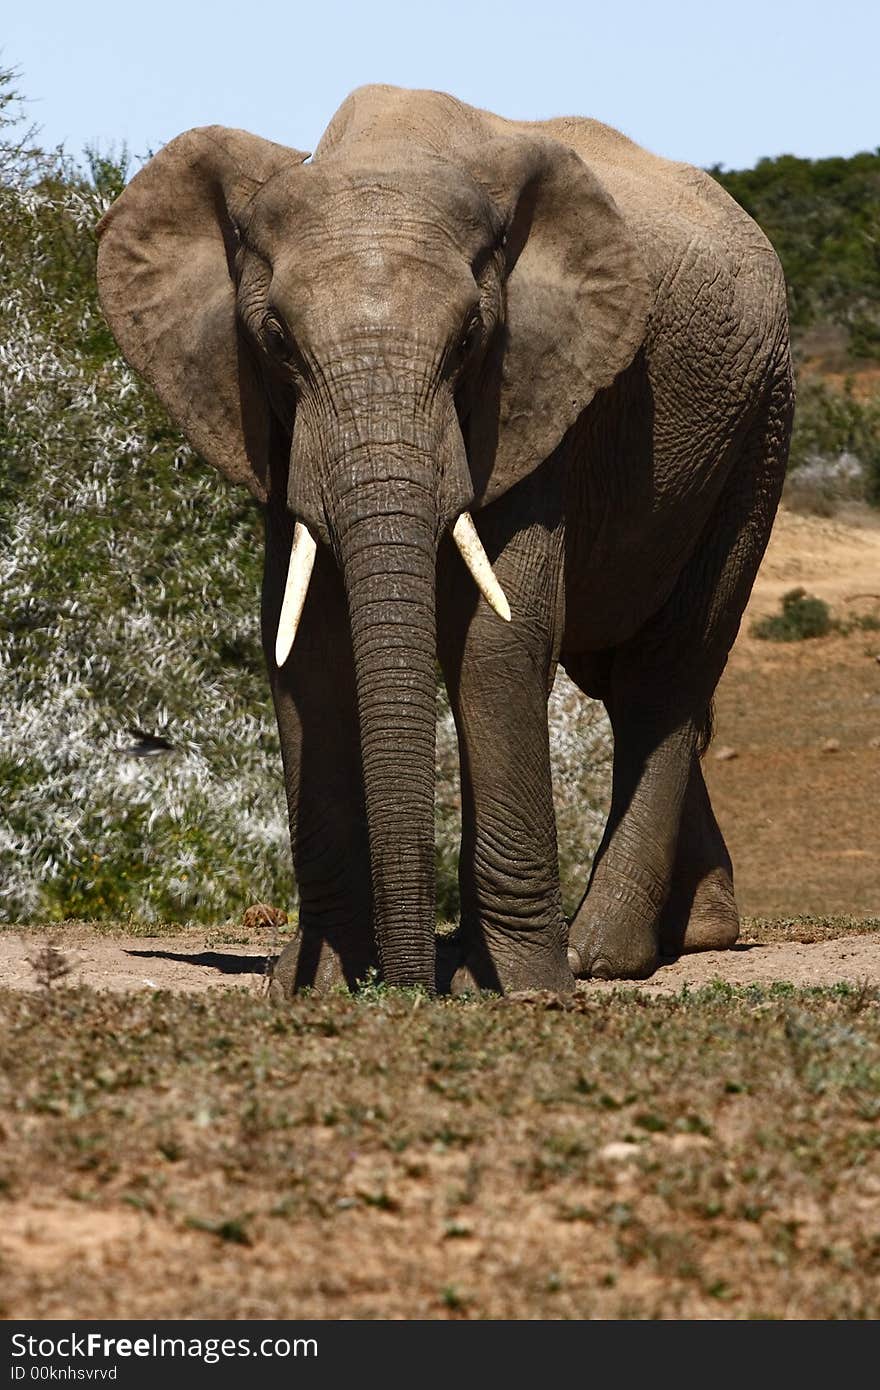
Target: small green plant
[(453, 1298), (803, 616), (860, 622), (234, 1229), (50, 966)]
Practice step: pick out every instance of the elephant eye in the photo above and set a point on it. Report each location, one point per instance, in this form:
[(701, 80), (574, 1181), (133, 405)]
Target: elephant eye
[(275, 334), (469, 333)]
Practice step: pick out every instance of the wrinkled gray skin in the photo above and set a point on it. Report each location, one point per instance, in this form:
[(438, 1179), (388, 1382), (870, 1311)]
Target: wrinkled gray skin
[(583, 343)]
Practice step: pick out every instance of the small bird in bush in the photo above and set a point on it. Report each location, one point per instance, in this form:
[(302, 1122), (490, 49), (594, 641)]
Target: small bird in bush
[(146, 745)]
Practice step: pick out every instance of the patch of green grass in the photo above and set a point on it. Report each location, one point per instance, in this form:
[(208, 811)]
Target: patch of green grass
[(233, 1229), (99, 927), (860, 622), (453, 1298)]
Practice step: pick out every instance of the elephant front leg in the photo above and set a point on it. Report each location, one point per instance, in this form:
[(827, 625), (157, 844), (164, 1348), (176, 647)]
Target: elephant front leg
[(513, 930), (514, 933), (315, 706)]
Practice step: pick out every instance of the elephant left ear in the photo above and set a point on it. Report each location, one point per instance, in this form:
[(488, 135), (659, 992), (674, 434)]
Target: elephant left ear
[(166, 281), (577, 304)]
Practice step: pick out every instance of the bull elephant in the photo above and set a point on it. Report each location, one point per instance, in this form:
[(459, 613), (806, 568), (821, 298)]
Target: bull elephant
[(511, 394)]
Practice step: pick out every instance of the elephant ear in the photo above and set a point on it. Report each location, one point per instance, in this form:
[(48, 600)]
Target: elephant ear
[(577, 303), (166, 256)]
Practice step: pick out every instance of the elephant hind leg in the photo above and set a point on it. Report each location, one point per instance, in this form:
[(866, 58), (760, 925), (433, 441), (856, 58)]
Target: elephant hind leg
[(315, 961), (614, 933), (660, 690), (700, 913)]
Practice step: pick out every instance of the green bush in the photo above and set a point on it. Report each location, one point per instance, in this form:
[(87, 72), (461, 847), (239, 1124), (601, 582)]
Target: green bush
[(823, 218), (803, 616)]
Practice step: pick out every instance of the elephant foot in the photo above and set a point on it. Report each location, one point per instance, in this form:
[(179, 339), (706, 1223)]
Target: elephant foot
[(602, 947), (313, 961), (706, 919), (501, 971)]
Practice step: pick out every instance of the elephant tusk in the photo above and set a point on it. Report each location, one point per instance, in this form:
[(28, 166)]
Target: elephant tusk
[(464, 533), (299, 572)]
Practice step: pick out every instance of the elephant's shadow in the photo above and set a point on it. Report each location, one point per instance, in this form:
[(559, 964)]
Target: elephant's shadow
[(214, 960), (449, 957), (448, 961)]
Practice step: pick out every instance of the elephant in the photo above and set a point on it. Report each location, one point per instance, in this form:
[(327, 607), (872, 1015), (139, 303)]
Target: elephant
[(510, 395)]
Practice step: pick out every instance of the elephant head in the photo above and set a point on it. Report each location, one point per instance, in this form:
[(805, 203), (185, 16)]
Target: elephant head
[(378, 341)]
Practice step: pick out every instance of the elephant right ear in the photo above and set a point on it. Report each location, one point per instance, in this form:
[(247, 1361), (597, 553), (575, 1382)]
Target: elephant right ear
[(166, 257)]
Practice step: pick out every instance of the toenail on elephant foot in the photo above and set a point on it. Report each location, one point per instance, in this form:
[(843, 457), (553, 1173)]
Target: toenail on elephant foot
[(602, 969), (634, 957)]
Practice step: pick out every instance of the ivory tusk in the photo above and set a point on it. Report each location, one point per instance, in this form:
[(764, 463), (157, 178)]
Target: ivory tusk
[(299, 572), (464, 533)]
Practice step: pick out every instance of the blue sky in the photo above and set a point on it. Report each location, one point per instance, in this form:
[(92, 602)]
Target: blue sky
[(708, 82)]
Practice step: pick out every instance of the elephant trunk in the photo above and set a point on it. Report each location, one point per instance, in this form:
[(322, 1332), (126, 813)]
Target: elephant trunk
[(386, 539), (380, 476)]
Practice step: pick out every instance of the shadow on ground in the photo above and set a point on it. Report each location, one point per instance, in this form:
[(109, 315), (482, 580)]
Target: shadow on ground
[(214, 960)]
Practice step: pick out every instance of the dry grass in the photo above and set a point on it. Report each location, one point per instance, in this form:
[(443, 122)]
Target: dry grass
[(388, 1156), (766, 931)]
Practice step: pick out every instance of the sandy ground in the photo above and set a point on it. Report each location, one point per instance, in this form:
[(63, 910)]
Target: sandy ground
[(797, 784), (186, 963), (836, 558)]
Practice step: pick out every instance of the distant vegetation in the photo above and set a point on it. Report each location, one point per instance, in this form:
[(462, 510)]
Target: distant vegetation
[(118, 615), (823, 218), (835, 451), (803, 616)]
